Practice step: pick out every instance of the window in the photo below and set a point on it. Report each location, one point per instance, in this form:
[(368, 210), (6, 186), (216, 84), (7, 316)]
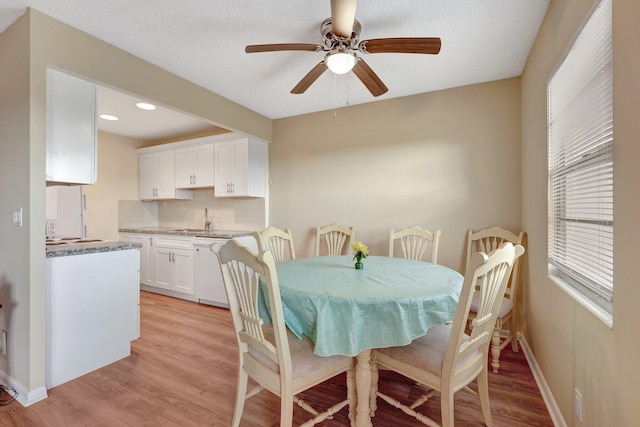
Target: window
[(580, 138)]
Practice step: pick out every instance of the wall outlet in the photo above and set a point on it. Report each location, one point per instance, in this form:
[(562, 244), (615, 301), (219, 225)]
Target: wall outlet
[(577, 403), (3, 342)]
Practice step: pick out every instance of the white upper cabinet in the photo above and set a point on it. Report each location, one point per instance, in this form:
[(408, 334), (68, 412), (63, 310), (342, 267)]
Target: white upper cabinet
[(194, 166), (241, 168), (235, 165), (157, 177), (71, 129)]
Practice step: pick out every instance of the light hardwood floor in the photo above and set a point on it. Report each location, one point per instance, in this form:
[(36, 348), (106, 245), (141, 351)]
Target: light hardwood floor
[(182, 372)]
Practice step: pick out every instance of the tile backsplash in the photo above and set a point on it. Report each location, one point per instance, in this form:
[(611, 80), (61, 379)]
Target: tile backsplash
[(224, 213)]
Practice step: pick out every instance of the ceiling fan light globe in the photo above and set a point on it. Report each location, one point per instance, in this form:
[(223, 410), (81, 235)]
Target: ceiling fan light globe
[(340, 62)]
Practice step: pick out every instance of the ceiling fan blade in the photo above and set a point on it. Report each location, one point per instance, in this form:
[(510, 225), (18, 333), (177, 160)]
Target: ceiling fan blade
[(369, 78), (428, 45), (343, 14), (253, 48), (311, 77)]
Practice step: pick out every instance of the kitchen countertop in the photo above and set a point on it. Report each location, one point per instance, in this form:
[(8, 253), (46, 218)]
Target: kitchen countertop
[(193, 232), (69, 249)]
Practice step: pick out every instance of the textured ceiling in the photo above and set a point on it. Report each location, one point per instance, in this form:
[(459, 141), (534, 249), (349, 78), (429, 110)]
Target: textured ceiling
[(203, 41)]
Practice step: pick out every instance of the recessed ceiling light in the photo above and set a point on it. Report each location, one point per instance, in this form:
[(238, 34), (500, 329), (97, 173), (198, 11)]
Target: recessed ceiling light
[(145, 106), (108, 117)]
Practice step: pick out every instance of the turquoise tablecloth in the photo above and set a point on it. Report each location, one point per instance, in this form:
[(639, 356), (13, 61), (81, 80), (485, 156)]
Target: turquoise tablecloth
[(344, 311)]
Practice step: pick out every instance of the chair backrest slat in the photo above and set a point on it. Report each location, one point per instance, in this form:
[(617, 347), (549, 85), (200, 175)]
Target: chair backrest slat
[(490, 272), (279, 242), (490, 239), (247, 277), (337, 238), (414, 242)]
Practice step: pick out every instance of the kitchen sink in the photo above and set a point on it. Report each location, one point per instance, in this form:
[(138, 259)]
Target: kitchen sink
[(191, 230)]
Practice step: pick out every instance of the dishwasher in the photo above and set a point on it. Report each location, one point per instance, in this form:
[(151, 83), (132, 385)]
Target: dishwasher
[(207, 276)]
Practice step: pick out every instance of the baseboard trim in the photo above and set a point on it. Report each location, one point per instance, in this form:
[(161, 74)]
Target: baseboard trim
[(25, 397), (168, 293), (547, 396)]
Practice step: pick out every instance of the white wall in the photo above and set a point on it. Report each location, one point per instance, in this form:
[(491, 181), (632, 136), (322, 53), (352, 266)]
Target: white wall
[(573, 348), (34, 42), (117, 180), (19, 285), (446, 160)]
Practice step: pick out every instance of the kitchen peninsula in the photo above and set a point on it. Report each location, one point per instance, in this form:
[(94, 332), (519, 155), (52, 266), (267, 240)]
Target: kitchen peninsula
[(92, 306)]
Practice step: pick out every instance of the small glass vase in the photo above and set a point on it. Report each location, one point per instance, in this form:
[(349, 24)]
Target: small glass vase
[(359, 265)]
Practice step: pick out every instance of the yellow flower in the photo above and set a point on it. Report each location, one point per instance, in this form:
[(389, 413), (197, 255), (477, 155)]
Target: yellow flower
[(360, 249)]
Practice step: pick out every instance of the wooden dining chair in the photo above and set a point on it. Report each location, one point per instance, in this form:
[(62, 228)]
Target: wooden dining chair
[(446, 359), (414, 242), (337, 237), (487, 240), (271, 355), (279, 242)]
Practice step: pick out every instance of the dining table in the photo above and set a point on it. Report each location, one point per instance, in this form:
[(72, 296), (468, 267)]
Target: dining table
[(348, 311)]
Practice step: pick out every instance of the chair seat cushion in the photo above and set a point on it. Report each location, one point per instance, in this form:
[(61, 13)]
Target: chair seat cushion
[(505, 306), (303, 360), (425, 353)]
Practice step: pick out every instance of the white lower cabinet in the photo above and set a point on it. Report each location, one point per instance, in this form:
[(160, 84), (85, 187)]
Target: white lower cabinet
[(174, 269), (147, 258), (174, 263), (166, 262)]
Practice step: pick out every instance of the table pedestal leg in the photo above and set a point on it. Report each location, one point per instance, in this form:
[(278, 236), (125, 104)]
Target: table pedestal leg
[(363, 387)]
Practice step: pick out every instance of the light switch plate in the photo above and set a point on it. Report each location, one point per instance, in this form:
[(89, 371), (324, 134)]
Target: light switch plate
[(17, 217)]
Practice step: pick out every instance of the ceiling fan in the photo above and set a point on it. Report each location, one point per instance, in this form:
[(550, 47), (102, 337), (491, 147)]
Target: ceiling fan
[(340, 41)]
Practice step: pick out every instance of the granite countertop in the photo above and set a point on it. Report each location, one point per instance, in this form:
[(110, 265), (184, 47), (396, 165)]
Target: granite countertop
[(68, 249), (193, 232)]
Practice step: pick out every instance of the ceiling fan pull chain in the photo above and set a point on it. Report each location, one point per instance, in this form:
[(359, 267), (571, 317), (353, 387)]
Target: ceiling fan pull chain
[(348, 78), (335, 95)]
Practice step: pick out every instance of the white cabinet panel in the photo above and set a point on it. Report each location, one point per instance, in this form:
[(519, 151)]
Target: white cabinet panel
[(92, 312), (157, 177), (241, 168), (194, 166), (147, 257), (71, 129), (173, 259)]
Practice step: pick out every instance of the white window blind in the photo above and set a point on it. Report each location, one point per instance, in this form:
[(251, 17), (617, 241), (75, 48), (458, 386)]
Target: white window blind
[(580, 138)]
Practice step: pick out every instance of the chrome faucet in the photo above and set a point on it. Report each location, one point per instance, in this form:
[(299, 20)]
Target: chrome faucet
[(207, 223)]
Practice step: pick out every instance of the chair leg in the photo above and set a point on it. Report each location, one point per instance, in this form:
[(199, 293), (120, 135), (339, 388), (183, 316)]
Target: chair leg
[(495, 350), (483, 394), (351, 393), (286, 411), (446, 407), (241, 395), (373, 405)]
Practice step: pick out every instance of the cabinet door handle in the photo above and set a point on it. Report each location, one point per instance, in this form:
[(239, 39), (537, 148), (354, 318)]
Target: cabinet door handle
[(233, 188), (150, 241)]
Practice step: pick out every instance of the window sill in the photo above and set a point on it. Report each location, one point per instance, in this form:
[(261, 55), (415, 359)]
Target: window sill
[(601, 314)]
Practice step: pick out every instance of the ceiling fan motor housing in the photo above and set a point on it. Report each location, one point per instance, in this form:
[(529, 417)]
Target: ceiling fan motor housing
[(333, 41)]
